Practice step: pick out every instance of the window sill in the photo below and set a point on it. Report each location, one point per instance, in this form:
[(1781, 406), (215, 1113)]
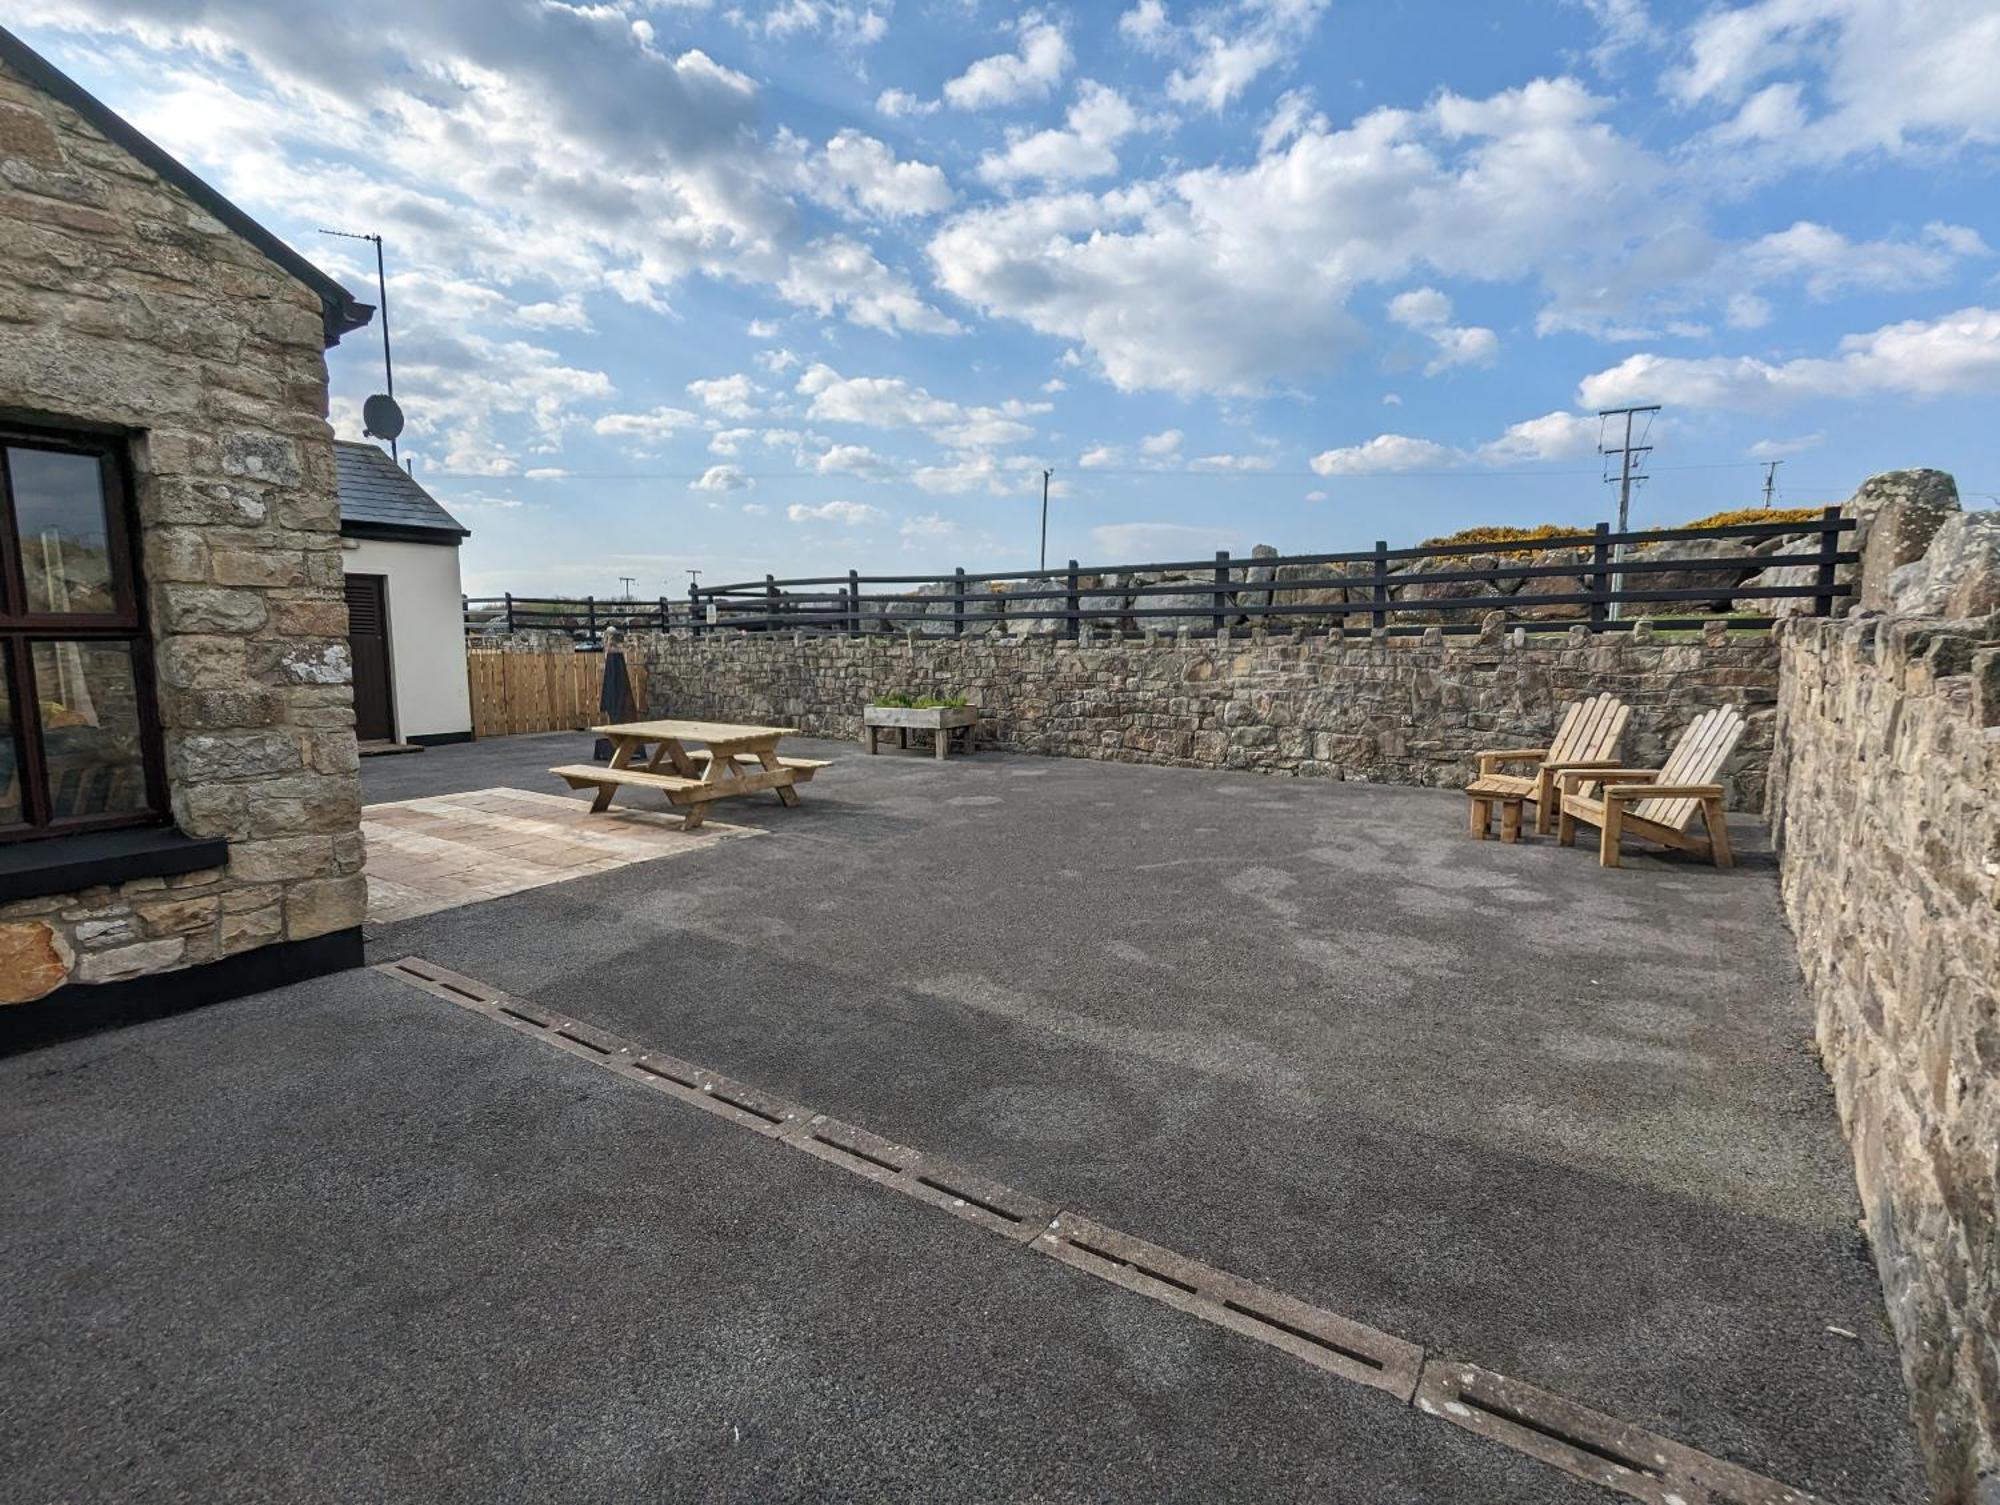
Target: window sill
[(67, 864)]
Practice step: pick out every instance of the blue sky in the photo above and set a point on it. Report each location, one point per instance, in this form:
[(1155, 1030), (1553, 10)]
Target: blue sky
[(793, 285)]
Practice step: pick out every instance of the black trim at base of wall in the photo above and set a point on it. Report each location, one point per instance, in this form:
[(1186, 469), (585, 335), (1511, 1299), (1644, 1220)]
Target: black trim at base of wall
[(82, 1009), (438, 739)]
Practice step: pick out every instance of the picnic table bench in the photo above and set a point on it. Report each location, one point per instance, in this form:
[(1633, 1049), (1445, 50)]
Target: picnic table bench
[(735, 760)]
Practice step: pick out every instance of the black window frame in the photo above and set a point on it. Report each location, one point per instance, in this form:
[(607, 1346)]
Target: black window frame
[(21, 629)]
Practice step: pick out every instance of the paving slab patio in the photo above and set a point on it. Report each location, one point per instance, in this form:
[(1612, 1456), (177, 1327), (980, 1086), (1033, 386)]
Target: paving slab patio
[(1560, 1122), (439, 851)]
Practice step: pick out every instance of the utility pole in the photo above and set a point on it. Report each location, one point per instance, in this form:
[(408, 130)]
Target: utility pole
[(1044, 563), (1627, 453), (1770, 479), (626, 581), (388, 366)]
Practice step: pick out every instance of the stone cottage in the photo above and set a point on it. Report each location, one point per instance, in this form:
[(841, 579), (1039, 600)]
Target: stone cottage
[(179, 808)]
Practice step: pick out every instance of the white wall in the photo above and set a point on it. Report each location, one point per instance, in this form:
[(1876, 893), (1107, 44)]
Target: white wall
[(426, 632)]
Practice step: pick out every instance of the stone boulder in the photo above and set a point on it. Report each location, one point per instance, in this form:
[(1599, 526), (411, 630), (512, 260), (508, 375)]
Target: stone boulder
[(1958, 575), (1781, 575), (1722, 581), (1899, 512), (1025, 611)]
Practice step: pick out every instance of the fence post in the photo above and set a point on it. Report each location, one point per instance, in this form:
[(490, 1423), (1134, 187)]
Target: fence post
[(590, 615), (1221, 596), (854, 602), (770, 603), (510, 613), (1071, 623), (694, 609), (1379, 618), (958, 602), (1600, 577), (663, 613), (1829, 545)]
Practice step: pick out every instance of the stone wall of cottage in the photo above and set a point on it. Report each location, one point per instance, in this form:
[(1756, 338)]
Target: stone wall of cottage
[(123, 303), (1402, 710), (1885, 797)]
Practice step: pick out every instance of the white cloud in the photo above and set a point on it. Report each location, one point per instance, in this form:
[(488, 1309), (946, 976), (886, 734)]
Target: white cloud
[(721, 478), (1229, 279), (1957, 354), (1316, 496), (777, 362), (1828, 263), (1220, 463), (839, 273), (763, 329), (1553, 436), (1385, 454), (928, 525), (1101, 457), (729, 441), (1098, 120), (900, 102), (1163, 445), (1237, 44), (1779, 449), (892, 402), (1162, 542), (563, 313), (1886, 75), (847, 514), (1030, 72), (731, 396), (1146, 25), (1428, 312), (853, 460), (655, 426), (861, 175)]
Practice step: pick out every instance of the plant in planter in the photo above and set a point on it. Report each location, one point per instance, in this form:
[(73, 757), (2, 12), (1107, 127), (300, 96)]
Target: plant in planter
[(948, 718)]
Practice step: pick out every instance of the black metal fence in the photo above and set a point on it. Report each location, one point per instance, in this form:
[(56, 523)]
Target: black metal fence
[(1604, 587)]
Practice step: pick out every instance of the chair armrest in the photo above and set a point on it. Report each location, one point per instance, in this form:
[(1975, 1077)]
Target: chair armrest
[(1492, 757), (1627, 792), (1572, 778), (1585, 763)]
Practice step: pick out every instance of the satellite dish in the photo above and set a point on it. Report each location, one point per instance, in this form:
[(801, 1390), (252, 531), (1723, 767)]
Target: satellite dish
[(381, 418)]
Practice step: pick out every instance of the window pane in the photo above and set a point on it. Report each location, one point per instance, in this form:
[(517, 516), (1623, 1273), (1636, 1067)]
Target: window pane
[(59, 513), (10, 757), (89, 704)]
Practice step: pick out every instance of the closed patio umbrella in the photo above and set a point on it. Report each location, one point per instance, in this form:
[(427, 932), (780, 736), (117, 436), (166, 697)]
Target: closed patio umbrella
[(614, 699)]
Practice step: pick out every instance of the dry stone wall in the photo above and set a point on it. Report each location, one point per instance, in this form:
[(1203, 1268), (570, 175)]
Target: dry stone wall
[(1885, 797), (122, 303), (1407, 710)]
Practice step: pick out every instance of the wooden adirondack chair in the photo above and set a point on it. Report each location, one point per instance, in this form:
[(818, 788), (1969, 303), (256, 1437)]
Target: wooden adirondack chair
[(1659, 804), (1587, 738)]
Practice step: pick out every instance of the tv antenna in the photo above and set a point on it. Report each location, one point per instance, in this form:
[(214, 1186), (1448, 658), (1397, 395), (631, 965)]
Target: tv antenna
[(1770, 479), (381, 418)]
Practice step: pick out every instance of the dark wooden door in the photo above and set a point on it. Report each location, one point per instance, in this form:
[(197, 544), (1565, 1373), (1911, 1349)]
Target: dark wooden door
[(368, 642)]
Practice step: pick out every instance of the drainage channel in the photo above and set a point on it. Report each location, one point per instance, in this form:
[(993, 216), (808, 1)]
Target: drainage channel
[(1539, 1424)]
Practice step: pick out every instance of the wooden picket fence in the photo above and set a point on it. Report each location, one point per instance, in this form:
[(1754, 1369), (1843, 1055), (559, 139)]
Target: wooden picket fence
[(513, 693)]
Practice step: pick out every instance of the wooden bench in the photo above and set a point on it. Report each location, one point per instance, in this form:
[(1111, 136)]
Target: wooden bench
[(1588, 737), (1659, 804), (737, 760)]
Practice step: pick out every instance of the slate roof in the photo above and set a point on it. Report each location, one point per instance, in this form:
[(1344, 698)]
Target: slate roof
[(341, 311), (378, 496)]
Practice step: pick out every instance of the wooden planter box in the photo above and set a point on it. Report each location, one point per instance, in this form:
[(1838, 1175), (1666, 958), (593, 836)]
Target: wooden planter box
[(949, 725)]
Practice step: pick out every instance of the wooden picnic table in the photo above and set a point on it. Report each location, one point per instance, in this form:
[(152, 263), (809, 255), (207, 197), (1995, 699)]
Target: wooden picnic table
[(732, 760)]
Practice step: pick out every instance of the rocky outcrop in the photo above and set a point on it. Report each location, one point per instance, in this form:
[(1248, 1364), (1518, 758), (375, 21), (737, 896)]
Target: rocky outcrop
[(1885, 801), (1958, 574), (1897, 513)]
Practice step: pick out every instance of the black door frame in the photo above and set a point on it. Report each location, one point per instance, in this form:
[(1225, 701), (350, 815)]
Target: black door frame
[(388, 654)]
